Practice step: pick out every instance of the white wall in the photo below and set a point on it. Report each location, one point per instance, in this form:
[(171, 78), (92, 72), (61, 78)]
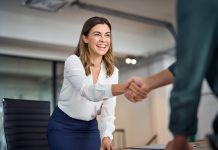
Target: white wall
[(143, 120), (160, 104), (134, 118)]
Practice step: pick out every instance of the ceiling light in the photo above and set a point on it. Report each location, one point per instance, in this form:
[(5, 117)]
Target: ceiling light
[(128, 60), (133, 61)]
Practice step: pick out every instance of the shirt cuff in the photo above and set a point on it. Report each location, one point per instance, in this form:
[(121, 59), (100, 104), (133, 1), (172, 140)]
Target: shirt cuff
[(107, 134)]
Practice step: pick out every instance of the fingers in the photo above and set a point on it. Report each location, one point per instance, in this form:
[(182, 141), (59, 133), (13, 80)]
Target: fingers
[(129, 96), (101, 148), (106, 147), (172, 145), (137, 89), (136, 92), (106, 144)]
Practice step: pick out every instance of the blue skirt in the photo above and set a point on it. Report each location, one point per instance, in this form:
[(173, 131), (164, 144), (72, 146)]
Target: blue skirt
[(66, 133)]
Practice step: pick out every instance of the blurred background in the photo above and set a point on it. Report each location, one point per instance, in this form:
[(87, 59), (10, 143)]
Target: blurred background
[(36, 36)]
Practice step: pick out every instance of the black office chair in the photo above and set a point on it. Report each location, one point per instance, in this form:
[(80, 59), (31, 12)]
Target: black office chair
[(25, 124)]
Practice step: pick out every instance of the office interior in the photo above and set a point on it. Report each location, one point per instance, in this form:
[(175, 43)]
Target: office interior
[(34, 42)]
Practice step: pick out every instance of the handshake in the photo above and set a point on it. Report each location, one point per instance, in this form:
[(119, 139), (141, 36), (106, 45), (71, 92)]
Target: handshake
[(137, 88), (134, 89)]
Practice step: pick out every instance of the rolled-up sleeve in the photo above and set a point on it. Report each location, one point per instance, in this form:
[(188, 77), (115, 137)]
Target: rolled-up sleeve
[(75, 73), (106, 122), (172, 68)]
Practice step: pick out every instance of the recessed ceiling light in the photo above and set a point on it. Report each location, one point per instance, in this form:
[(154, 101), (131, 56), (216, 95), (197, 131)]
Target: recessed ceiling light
[(133, 61), (128, 60)]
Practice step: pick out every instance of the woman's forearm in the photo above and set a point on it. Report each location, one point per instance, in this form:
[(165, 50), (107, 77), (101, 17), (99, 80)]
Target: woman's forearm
[(118, 89)]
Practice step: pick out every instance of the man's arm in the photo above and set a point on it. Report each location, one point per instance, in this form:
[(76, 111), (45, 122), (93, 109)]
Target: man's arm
[(160, 79), (149, 83)]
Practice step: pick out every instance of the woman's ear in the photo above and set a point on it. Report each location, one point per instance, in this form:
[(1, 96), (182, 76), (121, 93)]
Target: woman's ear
[(85, 40)]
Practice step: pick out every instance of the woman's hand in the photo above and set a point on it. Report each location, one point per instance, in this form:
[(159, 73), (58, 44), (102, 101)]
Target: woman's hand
[(106, 144), (137, 89)]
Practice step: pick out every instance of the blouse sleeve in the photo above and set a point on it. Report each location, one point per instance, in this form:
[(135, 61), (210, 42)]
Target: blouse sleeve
[(106, 121), (75, 73)]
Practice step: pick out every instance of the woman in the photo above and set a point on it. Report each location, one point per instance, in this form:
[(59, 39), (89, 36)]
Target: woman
[(89, 88)]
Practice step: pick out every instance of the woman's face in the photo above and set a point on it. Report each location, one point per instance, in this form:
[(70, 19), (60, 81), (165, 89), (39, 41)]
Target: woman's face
[(98, 39)]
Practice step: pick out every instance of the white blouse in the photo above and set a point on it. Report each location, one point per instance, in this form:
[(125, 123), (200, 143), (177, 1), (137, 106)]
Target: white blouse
[(81, 99)]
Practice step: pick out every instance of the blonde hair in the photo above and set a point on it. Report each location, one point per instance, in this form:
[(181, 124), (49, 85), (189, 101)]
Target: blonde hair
[(82, 50)]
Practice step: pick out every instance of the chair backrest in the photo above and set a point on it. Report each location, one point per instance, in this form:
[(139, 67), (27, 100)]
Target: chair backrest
[(25, 124)]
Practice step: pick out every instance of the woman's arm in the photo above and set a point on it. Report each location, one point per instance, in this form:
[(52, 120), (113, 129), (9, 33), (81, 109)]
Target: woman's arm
[(107, 118), (75, 73)]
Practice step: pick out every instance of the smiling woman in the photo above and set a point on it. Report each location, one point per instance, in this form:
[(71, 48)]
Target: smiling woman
[(87, 92), (98, 40)]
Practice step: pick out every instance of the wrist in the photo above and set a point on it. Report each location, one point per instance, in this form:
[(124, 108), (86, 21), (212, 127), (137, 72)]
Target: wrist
[(149, 83), (106, 140), (181, 138), (118, 89), (180, 141)]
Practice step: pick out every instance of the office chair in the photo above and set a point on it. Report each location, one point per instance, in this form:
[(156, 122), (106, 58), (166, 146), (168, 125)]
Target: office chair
[(25, 124)]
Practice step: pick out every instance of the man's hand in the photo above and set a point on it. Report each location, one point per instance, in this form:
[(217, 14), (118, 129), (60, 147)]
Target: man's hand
[(179, 143), (139, 87), (106, 144)]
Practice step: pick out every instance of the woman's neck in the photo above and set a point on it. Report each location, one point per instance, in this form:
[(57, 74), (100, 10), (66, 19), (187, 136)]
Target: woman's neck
[(96, 61)]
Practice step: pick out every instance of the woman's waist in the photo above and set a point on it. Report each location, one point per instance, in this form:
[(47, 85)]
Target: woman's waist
[(64, 122), (80, 112)]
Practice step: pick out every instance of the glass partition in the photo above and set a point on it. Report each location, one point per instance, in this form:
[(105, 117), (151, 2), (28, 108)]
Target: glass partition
[(25, 78)]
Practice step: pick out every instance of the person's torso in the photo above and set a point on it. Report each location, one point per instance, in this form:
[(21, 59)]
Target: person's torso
[(74, 104)]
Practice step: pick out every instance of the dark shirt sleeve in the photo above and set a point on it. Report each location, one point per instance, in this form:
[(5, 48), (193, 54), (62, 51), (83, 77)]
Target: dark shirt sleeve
[(172, 68)]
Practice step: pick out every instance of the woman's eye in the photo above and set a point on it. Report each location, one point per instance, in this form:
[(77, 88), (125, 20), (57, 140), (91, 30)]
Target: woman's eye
[(107, 35), (97, 34)]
